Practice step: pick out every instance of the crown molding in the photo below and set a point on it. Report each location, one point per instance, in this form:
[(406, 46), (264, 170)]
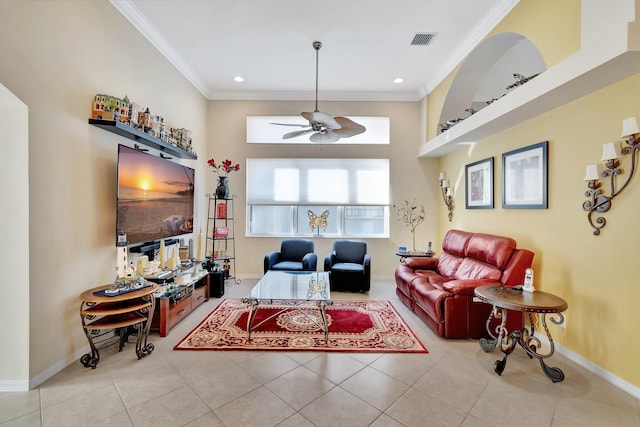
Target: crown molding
[(310, 96), (477, 35), (142, 24)]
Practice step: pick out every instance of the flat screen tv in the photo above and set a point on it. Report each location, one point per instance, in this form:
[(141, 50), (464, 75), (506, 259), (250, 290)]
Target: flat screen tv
[(155, 197)]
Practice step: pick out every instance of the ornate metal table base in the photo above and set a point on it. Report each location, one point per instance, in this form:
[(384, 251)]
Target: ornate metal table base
[(143, 348), (101, 315), (321, 307), (526, 339), (301, 291)]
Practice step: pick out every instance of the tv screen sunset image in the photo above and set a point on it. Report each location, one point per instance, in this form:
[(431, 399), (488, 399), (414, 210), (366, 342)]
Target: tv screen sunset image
[(155, 196)]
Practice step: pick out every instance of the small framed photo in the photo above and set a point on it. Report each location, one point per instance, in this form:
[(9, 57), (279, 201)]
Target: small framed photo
[(524, 177), (479, 184)]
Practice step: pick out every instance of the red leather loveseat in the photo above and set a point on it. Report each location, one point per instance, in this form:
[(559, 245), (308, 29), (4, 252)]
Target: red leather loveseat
[(440, 290)]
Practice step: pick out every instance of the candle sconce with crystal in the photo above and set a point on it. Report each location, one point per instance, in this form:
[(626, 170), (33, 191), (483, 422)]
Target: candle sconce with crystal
[(447, 194), (598, 201)]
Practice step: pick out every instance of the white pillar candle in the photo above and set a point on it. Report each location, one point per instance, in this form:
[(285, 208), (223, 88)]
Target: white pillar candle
[(199, 252), (142, 264), (162, 255), (171, 259)]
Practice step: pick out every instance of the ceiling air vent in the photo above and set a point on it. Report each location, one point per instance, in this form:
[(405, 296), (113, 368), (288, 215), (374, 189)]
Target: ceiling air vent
[(422, 39)]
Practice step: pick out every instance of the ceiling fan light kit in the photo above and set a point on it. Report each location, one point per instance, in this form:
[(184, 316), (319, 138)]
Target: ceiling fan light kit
[(324, 127)]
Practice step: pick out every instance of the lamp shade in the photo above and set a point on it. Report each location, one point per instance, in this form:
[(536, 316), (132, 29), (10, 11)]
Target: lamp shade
[(629, 127), (593, 172), (610, 151), (441, 176)]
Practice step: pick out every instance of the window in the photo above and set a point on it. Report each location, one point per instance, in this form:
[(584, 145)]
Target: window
[(284, 197)]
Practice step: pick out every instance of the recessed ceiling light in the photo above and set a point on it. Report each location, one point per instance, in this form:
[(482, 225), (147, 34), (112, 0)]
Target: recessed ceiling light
[(239, 79), (398, 80)]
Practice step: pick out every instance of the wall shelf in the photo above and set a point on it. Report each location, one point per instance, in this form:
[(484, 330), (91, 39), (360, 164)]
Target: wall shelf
[(128, 132), (584, 72)]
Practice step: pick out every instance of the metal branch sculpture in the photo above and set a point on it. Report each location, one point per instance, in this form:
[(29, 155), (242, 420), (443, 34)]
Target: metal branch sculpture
[(411, 215)]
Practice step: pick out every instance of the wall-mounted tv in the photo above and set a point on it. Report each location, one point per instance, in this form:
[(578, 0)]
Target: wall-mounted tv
[(155, 196)]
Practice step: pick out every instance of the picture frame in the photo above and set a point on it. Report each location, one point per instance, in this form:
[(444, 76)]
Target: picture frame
[(479, 184), (525, 177)]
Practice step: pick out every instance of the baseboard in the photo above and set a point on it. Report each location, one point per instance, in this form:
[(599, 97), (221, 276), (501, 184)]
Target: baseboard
[(57, 367), (384, 278), (26, 385), (594, 369), (17, 385)]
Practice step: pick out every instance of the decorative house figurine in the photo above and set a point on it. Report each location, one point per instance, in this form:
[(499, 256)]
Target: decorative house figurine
[(134, 109), (107, 107)]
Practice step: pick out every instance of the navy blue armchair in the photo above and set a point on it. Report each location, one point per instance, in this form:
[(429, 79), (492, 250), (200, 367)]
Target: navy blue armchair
[(294, 255), (349, 266)]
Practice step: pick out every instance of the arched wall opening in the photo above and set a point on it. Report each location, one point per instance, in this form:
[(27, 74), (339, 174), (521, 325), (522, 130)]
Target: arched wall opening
[(488, 72)]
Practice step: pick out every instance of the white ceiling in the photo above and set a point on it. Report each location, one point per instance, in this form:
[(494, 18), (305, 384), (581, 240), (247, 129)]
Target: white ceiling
[(366, 44)]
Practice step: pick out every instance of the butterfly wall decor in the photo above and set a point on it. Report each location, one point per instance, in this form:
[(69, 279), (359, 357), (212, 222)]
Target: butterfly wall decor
[(318, 221)]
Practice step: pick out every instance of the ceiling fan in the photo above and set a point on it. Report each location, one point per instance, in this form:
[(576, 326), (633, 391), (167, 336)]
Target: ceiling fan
[(325, 128)]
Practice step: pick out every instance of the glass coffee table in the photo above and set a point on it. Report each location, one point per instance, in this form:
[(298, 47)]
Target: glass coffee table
[(302, 290)]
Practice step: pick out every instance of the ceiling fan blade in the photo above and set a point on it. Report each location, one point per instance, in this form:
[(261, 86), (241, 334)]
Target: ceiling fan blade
[(348, 127), (324, 137), (296, 133), (322, 119), (288, 124)]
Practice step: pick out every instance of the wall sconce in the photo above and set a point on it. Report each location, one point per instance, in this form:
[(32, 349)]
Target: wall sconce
[(447, 194), (598, 202)]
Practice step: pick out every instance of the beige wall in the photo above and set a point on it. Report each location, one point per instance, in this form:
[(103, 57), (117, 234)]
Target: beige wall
[(594, 274), (409, 176), (55, 57)]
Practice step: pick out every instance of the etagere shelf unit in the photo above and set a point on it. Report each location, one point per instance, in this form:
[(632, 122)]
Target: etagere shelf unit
[(221, 242)]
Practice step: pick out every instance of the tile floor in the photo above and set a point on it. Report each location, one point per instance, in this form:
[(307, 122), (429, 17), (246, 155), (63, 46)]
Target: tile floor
[(453, 385)]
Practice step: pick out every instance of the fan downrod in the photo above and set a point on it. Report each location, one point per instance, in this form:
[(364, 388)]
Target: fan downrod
[(325, 128), (317, 45)]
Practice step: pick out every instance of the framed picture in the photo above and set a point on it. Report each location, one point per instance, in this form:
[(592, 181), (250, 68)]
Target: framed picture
[(479, 184), (524, 177)]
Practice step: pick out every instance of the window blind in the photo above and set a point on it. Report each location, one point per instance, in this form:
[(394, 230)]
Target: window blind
[(294, 181)]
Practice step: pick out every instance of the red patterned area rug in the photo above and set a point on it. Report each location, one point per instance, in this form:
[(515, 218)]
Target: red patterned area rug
[(354, 326)]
